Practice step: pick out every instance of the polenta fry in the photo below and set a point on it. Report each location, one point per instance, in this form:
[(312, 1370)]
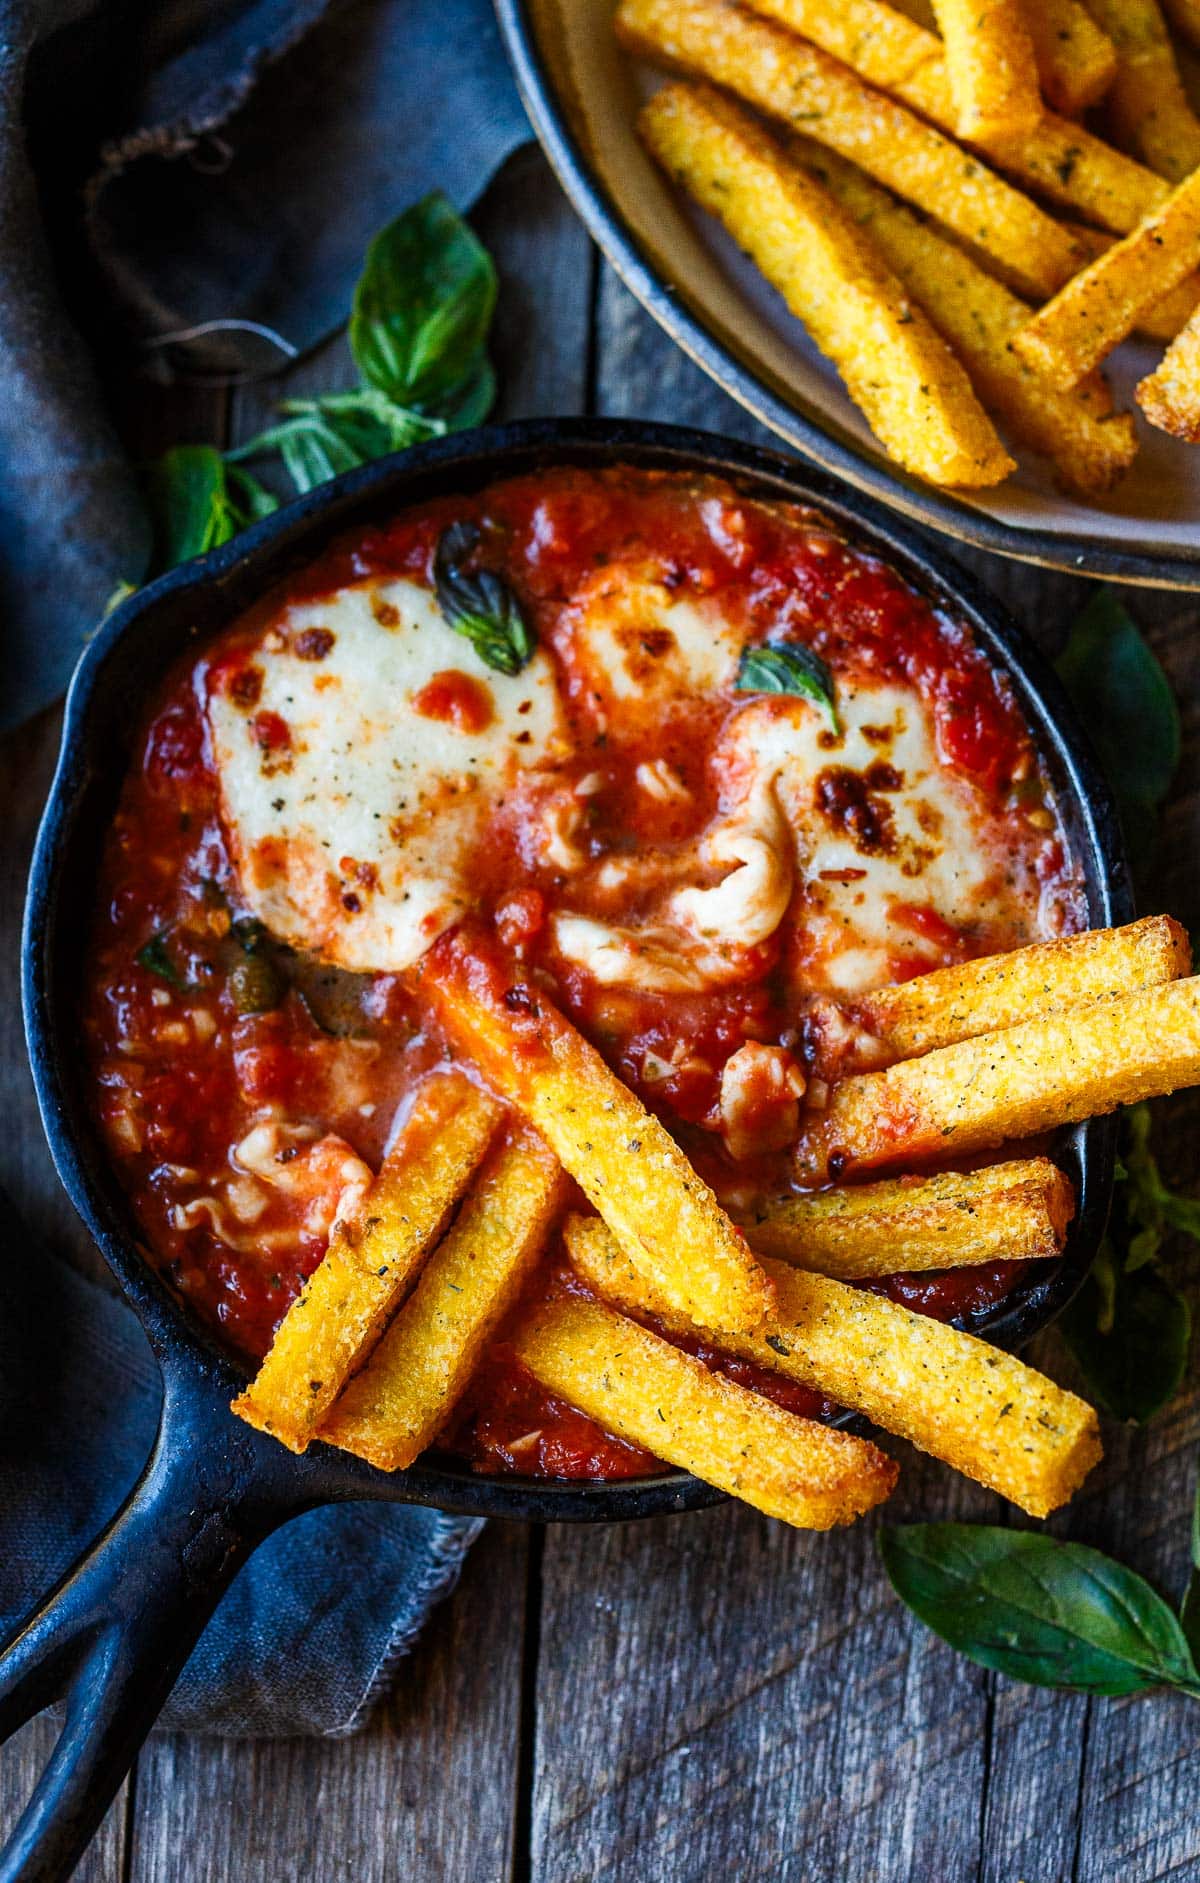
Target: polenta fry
[(993, 76), (909, 386), (997, 991), (1076, 60), (1013, 1212), (370, 1262), (1170, 313), (1034, 1077), (976, 1408), (1089, 444), (637, 1385), (621, 1157), (418, 1372), (1147, 104), (796, 82), (1170, 396), (1059, 160), (1094, 312)]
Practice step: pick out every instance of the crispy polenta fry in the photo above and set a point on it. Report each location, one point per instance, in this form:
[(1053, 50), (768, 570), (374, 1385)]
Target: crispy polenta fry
[(1168, 315), (637, 1385), (370, 1262), (993, 75), (418, 1372), (789, 79), (1076, 1064), (1060, 160), (1147, 103), (948, 1393), (620, 1156), (1076, 60), (1089, 444), (1094, 312), (1003, 990), (1170, 396), (1013, 1212), (909, 386)]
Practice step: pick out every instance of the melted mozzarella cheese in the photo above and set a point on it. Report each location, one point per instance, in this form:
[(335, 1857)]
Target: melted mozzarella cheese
[(633, 648), (880, 825), (356, 837)]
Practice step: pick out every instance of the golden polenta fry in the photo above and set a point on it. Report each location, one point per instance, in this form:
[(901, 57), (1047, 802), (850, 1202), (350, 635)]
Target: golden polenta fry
[(624, 1160), (398, 1404), (1094, 312), (1003, 990), (1170, 396), (1034, 1077), (913, 392), (1076, 60), (993, 74), (1089, 444), (1165, 317), (1061, 161), (951, 1395), (639, 1386), (1013, 1212), (1147, 105), (810, 92), (370, 1262)]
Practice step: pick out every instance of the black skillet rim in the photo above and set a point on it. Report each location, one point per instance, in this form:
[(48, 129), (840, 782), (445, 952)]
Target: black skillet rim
[(223, 582)]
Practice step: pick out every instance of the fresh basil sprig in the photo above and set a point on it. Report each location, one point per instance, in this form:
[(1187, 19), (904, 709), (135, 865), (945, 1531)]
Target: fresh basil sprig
[(788, 667), (1128, 1328), (1054, 1614), (1125, 701), (479, 603), (422, 310)]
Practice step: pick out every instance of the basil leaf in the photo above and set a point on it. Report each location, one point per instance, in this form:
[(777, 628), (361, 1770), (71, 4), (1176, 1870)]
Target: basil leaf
[(189, 504), (1129, 1332), (320, 438), (1126, 703), (154, 958), (479, 603), (789, 667), (1054, 1614), (249, 501), (423, 305), (1189, 1612), (470, 402)]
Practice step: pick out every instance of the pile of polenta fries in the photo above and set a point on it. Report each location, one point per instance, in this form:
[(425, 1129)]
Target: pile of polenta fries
[(953, 282), (378, 1349)]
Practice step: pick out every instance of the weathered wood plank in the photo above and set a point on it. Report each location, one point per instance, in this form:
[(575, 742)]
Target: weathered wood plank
[(21, 1764), (424, 1793)]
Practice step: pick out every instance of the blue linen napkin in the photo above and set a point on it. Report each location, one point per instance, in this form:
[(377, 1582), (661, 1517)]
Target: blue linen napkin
[(315, 1625), (168, 167)]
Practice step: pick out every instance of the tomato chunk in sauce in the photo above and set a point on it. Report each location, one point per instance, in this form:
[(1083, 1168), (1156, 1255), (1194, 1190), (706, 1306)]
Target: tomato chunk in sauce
[(690, 855)]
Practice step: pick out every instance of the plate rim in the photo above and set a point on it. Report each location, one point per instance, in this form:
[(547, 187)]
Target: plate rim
[(1078, 555)]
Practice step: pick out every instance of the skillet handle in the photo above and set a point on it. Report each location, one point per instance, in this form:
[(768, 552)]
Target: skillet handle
[(113, 1637)]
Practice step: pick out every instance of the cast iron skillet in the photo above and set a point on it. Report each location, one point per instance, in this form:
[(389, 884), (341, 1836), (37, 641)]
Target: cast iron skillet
[(112, 1638)]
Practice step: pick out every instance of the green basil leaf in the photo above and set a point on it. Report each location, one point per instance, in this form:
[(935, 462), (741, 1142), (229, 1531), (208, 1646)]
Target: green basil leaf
[(479, 604), (1126, 703), (1189, 1613), (154, 958), (189, 504), (249, 501), (1054, 1614), (471, 401), (788, 667), (320, 438), (1129, 1331), (423, 305)]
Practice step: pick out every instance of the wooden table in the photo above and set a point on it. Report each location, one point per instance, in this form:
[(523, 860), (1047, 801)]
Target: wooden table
[(696, 1698)]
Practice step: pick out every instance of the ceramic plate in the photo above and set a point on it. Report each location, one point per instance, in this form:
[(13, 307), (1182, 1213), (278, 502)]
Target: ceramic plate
[(582, 94)]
